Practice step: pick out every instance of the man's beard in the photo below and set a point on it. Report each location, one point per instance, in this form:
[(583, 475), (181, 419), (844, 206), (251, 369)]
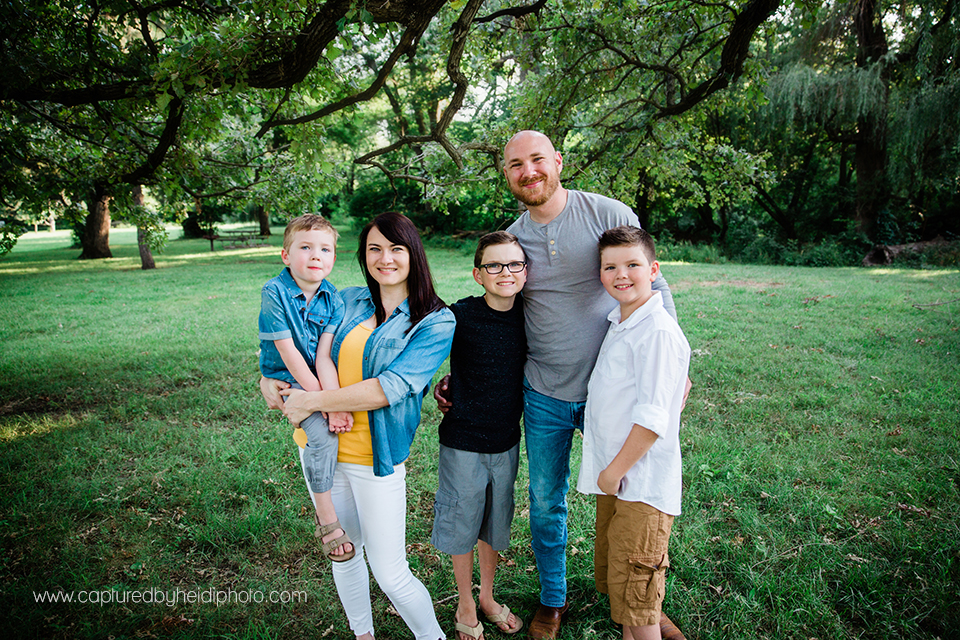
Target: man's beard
[(549, 188)]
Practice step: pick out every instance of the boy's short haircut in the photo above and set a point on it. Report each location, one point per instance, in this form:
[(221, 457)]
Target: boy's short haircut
[(307, 222), (492, 239), (627, 236)]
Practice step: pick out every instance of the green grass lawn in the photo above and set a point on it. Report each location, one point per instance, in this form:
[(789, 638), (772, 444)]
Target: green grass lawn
[(821, 465)]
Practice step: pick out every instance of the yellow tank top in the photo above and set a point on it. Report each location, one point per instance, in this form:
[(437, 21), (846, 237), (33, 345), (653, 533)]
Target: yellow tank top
[(355, 445)]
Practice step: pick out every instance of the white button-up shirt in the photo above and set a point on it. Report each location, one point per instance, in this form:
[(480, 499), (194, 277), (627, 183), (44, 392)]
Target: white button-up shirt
[(638, 379)]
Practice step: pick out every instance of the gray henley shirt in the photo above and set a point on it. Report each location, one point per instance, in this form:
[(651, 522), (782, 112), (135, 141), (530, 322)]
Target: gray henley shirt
[(565, 305)]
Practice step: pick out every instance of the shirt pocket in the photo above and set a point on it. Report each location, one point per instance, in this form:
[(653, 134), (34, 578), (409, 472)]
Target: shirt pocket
[(389, 348), (318, 321), (613, 364)]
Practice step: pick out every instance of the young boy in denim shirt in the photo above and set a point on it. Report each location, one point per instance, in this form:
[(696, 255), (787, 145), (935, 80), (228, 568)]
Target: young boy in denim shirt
[(299, 312), (480, 434), (631, 441)]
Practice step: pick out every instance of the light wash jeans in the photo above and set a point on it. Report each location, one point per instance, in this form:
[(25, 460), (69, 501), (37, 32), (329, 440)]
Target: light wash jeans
[(373, 512), (319, 458), (548, 426)]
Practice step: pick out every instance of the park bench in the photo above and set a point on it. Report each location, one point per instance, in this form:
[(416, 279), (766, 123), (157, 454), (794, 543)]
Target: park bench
[(238, 238)]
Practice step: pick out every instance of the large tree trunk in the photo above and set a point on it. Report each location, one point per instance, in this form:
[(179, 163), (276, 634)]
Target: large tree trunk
[(146, 256), (96, 231), (263, 219), (870, 155), (641, 204)]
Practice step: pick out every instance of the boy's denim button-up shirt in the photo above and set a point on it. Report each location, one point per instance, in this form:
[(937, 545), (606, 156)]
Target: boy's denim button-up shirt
[(285, 314), (403, 362)]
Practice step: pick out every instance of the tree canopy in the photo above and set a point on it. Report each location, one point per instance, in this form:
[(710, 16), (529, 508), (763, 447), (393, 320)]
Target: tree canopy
[(758, 115)]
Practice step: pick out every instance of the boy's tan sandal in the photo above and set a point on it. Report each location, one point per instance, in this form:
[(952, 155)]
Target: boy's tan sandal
[(327, 548), (504, 618), (473, 632)]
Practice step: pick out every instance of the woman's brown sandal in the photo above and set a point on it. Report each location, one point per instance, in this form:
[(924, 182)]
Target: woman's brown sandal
[(327, 548)]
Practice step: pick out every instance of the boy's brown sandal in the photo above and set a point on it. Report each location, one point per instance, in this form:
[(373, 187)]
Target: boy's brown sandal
[(668, 630), (327, 548)]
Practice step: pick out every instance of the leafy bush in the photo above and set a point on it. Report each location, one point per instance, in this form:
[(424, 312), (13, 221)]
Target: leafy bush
[(844, 250), (940, 255), (211, 213), (472, 209), (10, 230), (376, 197), (750, 243), (689, 252), (762, 250)]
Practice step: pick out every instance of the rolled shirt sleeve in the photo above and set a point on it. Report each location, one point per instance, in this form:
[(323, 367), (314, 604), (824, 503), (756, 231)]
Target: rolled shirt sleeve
[(657, 365), (273, 320), (412, 370)]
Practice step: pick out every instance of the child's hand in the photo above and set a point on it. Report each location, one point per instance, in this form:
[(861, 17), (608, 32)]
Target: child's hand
[(608, 482), (340, 421), (440, 394)]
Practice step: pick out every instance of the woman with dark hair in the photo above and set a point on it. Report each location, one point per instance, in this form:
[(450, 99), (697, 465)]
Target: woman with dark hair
[(395, 334)]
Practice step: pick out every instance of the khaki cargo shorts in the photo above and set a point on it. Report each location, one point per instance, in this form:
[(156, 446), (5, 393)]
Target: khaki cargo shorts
[(631, 559)]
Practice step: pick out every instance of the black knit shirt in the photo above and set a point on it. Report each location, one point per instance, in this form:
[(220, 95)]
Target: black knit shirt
[(486, 378)]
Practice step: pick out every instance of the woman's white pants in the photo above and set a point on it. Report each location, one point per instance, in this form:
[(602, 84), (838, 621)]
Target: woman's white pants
[(373, 512)]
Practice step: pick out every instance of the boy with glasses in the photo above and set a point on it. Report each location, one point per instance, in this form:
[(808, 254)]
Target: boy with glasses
[(480, 435)]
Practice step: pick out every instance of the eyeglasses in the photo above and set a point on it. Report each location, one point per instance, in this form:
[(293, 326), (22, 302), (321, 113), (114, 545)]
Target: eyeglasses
[(493, 268)]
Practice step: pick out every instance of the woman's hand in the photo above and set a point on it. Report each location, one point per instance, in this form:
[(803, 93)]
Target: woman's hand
[(270, 390), (295, 408)]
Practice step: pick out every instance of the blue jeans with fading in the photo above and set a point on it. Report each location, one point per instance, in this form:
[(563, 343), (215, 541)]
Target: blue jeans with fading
[(548, 430), (320, 455)]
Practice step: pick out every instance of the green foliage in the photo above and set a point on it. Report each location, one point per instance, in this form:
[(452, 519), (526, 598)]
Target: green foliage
[(831, 252), (830, 97), (934, 256), (10, 230), (672, 251), (762, 168), (466, 208), (374, 198)]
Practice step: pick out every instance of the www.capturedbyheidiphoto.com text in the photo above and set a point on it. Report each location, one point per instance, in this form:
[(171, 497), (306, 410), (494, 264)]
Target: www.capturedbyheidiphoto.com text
[(171, 597)]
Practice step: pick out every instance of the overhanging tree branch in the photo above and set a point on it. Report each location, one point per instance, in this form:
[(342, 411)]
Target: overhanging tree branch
[(736, 48), (438, 134), (514, 12), (406, 45), (167, 137)]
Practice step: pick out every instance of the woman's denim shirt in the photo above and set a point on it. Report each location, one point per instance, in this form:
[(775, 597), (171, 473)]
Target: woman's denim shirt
[(404, 363)]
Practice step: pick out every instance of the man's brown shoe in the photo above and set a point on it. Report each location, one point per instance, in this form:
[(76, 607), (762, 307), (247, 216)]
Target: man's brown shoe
[(668, 630), (546, 623)]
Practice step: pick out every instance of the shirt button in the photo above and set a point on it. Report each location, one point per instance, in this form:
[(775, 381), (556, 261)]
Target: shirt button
[(553, 253), (552, 242)]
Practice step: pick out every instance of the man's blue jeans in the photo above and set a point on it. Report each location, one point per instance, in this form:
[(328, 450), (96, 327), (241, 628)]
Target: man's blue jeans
[(548, 426)]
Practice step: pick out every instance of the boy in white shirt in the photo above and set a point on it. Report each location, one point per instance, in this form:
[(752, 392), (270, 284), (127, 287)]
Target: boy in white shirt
[(631, 443)]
